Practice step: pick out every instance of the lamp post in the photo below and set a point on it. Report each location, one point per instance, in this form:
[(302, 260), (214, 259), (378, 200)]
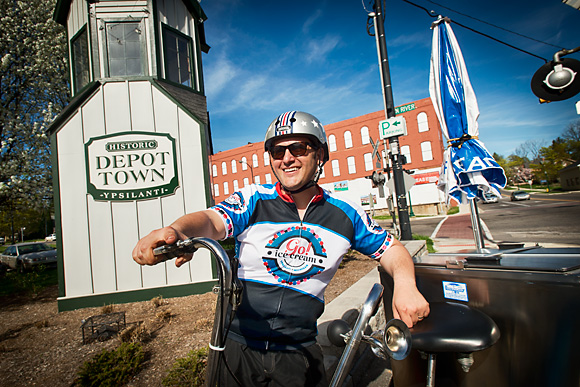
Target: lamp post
[(251, 169)]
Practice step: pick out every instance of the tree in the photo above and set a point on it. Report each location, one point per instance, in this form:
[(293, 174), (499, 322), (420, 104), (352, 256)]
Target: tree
[(33, 87), (572, 137)]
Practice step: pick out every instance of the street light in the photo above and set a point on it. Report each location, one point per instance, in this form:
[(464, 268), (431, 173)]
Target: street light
[(251, 169)]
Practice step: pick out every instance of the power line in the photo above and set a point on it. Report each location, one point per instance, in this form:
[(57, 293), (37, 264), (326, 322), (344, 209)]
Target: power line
[(434, 14), (495, 26)]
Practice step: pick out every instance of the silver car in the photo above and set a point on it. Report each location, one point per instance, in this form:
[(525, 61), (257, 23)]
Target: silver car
[(25, 256), (519, 195)]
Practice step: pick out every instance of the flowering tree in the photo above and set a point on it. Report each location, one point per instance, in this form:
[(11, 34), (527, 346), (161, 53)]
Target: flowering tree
[(33, 88)]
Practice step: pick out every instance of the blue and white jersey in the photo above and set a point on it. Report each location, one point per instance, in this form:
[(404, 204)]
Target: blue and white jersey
[(286, 263)]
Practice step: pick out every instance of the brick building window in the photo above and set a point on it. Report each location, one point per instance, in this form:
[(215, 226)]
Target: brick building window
[(364, 135), (234, 166), (426, 151), (347, 139), (422, 122), (224, 168), (368, 158), (266, 158), (332, 143), (335, 168), (351, 165)]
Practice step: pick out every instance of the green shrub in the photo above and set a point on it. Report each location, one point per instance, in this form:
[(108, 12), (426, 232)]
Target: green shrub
[(112, 368), (189, 370)]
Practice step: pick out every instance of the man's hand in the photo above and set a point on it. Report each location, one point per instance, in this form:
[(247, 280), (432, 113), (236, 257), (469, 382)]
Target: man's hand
[(409, 304), (143, 251)]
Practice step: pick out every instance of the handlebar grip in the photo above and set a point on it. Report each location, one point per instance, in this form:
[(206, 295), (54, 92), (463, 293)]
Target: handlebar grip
[(179, 249)]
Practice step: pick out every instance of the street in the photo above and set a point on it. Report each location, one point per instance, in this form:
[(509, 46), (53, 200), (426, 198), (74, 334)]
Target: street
[(545, 218)]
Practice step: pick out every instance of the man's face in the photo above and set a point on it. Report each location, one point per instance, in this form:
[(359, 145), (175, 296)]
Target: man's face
[(294, 171)]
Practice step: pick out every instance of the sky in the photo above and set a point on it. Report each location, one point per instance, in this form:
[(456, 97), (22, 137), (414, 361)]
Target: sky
[(269, 57)]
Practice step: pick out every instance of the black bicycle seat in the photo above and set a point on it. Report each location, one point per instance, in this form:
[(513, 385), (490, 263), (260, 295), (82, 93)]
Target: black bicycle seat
[(454, 327)]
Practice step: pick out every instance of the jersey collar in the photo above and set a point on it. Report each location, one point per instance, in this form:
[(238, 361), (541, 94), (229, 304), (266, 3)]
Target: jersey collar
[(288, 198)]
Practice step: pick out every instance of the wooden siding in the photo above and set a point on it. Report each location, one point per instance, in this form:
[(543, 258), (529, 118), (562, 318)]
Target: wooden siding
[(98, 236)]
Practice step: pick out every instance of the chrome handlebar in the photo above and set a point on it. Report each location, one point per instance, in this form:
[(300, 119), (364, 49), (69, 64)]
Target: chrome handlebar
[(394, 341), (229, 292)]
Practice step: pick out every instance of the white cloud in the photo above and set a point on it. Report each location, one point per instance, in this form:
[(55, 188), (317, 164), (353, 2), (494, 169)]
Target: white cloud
[(318, 49)]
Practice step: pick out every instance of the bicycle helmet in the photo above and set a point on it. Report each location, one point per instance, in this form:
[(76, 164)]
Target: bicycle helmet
[(297, 123)]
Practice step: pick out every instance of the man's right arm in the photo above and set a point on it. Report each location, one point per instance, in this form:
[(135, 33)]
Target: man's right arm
[(205, 223)]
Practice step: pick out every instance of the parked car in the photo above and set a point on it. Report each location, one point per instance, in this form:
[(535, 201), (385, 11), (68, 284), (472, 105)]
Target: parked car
[(50, 238), (2, 240), (488, 197), (519, 195), (25, 256)]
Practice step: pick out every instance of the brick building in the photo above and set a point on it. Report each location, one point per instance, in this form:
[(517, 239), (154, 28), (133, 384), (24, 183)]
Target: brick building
[(351, 160)]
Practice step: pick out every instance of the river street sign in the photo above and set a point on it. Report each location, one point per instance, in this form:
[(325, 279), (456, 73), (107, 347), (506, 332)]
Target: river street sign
[(392, 127)]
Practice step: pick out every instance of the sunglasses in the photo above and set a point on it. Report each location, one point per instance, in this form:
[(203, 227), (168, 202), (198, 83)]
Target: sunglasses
[(297, 149)]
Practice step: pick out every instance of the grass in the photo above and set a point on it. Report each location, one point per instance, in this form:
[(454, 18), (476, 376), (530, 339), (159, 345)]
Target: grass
[(428, 241), (453, 210)]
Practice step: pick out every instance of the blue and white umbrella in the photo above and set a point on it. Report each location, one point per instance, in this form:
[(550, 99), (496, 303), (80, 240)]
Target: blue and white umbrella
[(468, 169)]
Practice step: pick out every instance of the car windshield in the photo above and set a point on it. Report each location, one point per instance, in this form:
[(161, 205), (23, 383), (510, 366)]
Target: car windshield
[(34, 248)]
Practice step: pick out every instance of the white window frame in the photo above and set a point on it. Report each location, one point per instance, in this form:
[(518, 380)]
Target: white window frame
[(332, 143), (268, 178), (234, 166), (368, 158), (364, 135), (350, 161), (426, 151), (266, 158), (244, 163), (226, 188), (347, 139), (423, 122), (335, 168)]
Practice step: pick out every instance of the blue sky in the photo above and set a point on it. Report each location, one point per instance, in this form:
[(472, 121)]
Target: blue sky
[(268, 57)]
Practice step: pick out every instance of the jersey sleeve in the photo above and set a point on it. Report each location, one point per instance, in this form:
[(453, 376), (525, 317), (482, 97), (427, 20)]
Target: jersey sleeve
[(234, 212), (370, 238)]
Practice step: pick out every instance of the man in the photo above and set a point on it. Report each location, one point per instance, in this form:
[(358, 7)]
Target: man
[(290, 238)]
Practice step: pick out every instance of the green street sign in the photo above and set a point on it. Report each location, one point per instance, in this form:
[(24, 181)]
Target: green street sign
[(392, 127)]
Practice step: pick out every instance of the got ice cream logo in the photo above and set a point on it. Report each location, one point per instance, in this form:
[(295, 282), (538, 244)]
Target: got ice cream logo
[(295, 255)]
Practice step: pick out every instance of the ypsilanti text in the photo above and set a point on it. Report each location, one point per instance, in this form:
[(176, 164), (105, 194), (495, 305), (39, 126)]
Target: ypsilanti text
[(134, 195)]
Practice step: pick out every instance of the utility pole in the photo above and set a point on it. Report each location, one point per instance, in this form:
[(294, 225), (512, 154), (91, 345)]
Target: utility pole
[(394, 151)]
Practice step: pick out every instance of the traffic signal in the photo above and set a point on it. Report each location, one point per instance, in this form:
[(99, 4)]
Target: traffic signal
[(378, 180)]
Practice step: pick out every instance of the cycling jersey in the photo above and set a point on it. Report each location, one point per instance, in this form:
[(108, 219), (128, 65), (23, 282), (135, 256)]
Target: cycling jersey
[(286, 263)]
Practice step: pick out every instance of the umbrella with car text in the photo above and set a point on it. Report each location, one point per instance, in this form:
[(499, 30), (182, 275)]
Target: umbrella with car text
[(468, 170)]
